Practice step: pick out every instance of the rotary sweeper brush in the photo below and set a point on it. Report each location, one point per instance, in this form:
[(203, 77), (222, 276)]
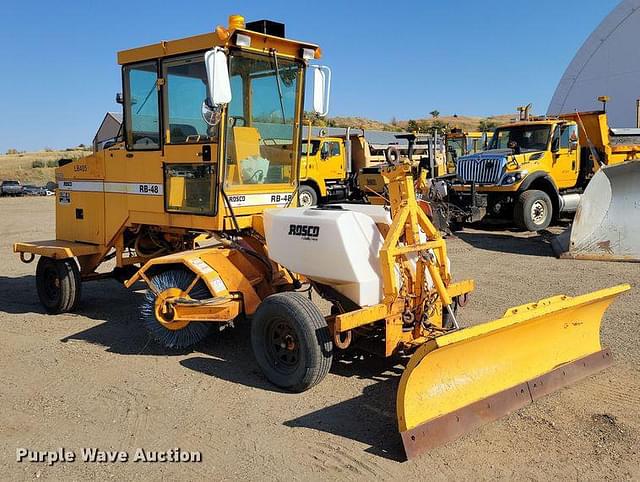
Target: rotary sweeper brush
[(194, 164)]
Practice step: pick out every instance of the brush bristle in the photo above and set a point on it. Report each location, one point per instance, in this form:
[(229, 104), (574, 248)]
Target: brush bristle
[(190, 334)]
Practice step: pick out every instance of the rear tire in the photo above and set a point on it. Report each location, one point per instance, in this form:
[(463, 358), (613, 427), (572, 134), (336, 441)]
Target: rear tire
[(307, 196), (533, 210), (291, 341), (58, 283)]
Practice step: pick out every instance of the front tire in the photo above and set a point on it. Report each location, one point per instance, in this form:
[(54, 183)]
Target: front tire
[(533, 210), (291, 341), (307, 196), (58, 283)]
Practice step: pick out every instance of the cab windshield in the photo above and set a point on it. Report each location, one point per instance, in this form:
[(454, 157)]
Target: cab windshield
[(262, 115), (522, 138)]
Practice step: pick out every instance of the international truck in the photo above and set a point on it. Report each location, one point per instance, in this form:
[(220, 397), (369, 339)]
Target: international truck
[(537, 168)]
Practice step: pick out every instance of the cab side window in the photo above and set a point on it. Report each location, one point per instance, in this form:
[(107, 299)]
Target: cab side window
[(142, 119), (324, 150), (334, 149), (567, 133)]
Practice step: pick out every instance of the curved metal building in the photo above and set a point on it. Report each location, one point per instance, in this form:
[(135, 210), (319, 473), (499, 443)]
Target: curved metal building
[(608, 63)]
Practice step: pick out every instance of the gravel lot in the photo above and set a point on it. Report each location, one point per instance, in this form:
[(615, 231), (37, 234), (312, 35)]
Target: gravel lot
[(94, 379)]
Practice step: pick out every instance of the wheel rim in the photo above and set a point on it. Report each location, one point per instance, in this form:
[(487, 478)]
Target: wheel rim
[(283, 347), (51, 284), (538, 212), (305, 199)]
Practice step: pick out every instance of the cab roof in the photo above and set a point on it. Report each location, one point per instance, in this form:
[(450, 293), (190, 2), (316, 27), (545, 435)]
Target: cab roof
[(260, 42)]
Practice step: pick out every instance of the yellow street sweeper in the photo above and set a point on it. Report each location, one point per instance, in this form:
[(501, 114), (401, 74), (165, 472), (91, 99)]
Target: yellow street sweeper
[(211, 147)]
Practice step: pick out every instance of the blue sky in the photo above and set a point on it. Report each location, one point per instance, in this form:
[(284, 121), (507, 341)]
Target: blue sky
[(389, 59)]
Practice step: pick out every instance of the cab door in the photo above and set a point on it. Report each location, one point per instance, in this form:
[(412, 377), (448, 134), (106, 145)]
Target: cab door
[(190, 142), (332, 159), (565, 164)]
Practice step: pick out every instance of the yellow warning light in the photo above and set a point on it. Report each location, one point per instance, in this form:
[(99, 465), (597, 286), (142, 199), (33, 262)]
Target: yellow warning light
[(236, 21)]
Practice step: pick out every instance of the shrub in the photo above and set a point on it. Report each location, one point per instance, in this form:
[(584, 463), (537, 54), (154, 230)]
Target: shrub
[(52, 163), (36, 164), (12, 151)]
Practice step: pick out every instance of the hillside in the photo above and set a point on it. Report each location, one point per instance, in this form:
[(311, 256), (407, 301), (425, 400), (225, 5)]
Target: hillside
[(466, 123), (20, 166)]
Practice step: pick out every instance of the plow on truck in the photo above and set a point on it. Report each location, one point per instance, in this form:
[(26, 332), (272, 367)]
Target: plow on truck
[(212, 135)]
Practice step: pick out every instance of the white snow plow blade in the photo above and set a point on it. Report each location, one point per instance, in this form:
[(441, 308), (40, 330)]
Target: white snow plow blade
[(607, 223)]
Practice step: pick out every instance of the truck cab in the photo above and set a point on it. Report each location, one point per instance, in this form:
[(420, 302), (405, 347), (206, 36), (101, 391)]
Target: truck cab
[(323, 170)]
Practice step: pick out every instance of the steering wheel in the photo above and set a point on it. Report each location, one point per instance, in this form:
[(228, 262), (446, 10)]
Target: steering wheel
[(233, 121)]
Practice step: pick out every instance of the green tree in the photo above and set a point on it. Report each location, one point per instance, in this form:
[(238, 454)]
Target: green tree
[(315, 119), (435, 113), (487, 125)]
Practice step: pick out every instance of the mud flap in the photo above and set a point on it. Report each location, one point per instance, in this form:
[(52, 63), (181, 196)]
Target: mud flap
[(464, 379), (605, 226)]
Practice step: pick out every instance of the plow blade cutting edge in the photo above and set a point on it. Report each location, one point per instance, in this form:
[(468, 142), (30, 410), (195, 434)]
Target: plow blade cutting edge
[(466, 378), (606, 224)]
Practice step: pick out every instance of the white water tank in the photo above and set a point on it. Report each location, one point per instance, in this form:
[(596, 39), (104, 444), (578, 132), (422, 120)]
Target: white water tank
[(337, 246)]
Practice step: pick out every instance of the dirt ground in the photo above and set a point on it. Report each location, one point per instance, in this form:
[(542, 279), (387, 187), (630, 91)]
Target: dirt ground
[(94, 379)]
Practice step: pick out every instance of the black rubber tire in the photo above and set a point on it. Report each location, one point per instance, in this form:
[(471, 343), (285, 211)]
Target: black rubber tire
[(307, 193), (311, 337), (58, 283), (522, 211)]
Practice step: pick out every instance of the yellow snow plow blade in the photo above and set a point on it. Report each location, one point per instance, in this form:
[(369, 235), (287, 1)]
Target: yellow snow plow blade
[(466, 378)]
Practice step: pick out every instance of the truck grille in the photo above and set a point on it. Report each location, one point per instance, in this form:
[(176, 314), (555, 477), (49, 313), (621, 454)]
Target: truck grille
[(482, 171)]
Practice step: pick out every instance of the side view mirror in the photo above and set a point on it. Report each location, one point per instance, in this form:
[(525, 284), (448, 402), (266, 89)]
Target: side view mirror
[(219, 85), (321, 89), (573, 145), (555, 144), (119, 98)]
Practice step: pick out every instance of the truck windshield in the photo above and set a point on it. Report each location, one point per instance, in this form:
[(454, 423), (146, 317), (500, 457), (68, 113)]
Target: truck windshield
[(526, 138), (262, 115)]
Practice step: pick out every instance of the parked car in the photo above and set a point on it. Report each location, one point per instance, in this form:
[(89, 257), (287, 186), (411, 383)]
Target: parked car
[(30, 190), (11, 188)]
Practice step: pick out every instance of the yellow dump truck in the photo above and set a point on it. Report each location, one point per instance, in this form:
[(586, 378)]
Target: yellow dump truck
[(346, 166), (536, 168)]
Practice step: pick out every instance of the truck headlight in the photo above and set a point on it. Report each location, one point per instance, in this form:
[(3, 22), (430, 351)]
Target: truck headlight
[(512, 177)]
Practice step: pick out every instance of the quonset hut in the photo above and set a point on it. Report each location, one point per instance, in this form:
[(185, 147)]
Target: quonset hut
[(607, 64)]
